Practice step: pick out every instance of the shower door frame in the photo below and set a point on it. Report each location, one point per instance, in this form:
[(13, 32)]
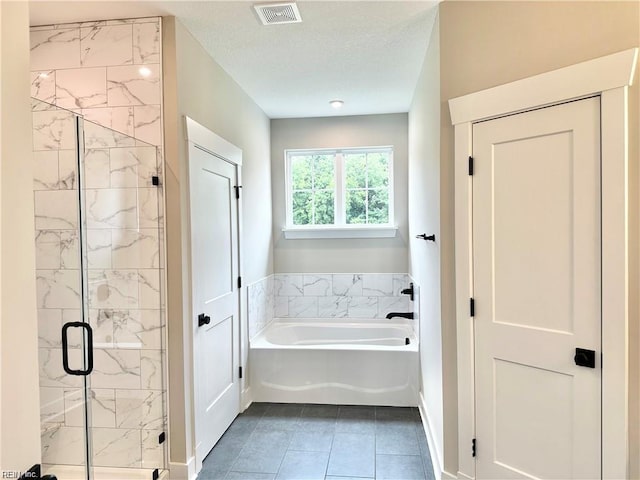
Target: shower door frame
[(84, 291)]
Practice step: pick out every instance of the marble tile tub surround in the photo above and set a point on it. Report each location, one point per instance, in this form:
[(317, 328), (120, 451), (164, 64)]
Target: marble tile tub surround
[(348, 295), (108, 71), (326, 295), (260, 304)]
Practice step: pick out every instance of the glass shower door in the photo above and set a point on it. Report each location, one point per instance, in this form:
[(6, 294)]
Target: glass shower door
[(97, 196), (121, 233)]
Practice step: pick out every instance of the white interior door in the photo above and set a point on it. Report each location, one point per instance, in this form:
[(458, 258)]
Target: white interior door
[(537, 290), (214, 243)]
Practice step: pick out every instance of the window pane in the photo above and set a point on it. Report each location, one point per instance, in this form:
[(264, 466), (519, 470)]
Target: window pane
[(324, 207), (356, 170), (378, 169), (323, 171), (302, 208), (301, 172), (378, 206), (356, 206), (365, 190)]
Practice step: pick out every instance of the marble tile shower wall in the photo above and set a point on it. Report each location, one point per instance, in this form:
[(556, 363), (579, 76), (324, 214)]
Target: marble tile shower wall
[(108, 72), (124, 299), (353, 295)]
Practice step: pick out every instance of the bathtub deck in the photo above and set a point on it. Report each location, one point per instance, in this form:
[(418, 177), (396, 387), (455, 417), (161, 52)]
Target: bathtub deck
[(290, 441)]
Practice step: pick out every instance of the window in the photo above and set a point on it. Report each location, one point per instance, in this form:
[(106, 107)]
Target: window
[(367, 187), (313, 189), (346, 188)]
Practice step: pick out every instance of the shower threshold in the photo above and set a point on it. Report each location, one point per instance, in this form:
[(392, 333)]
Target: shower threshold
[(70, 472)]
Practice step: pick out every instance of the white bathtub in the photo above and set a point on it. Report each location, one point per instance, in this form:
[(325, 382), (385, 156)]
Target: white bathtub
[(335, 361)]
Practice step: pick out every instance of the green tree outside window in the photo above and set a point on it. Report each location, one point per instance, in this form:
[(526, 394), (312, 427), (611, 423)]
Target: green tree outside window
[(313, 182), (366, 190)]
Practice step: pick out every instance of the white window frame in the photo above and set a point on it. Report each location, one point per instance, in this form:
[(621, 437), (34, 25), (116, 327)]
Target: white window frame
[(339, 229)]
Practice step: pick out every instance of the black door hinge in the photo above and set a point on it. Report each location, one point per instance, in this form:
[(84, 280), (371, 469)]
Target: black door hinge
[(156, 474), (155, 180), (470, 165), (239, 282), (472, 307), (473, 447), (237, 188), (161, 438), (240, 372)]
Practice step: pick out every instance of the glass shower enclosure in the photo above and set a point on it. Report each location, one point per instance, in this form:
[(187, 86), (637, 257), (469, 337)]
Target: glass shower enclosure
[(101, 317)]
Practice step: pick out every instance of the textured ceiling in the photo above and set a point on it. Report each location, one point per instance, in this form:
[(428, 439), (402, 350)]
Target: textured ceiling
[(368, 54)]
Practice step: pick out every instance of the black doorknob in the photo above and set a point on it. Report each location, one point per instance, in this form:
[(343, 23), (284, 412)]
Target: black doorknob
[(581, 358), (203, 319), (585, 358)]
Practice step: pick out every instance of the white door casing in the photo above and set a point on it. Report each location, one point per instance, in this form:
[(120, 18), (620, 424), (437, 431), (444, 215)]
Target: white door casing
[(536, 258), (215, 270), (608, 77)]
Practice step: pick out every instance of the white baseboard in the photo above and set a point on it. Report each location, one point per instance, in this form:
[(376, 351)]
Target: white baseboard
[(436, 455), (464, 476), (183, 471), (246, 399), (450, 476)]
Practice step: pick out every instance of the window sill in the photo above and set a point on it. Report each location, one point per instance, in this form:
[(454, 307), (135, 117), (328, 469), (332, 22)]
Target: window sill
[(339, 232)]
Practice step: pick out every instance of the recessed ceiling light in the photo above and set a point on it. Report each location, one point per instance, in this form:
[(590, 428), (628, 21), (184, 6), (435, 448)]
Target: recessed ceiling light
[(43, 75), (336, 103), (144, 71)]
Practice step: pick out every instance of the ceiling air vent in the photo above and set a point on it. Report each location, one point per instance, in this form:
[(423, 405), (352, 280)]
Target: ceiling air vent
[(272, 13)]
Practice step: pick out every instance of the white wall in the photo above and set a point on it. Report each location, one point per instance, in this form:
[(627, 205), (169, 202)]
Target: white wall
[(212, 98), (196, 86), (424, 216), (380, 255), (19, 402)]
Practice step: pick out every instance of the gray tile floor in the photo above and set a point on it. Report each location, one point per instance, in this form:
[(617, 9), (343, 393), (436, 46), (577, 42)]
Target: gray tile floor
[(307, 442)]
